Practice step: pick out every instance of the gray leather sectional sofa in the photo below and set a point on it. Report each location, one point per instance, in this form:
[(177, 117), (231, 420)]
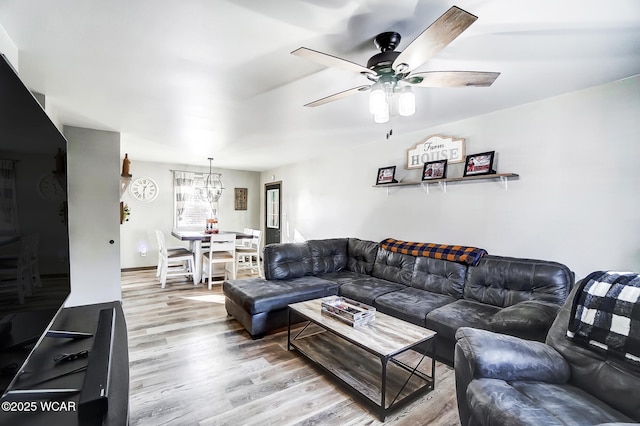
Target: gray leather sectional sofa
[(514, 296)]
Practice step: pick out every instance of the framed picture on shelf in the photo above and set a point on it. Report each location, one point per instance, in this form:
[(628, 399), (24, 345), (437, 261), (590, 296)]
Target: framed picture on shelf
[(479, 164), (434, 170), (386, 175)]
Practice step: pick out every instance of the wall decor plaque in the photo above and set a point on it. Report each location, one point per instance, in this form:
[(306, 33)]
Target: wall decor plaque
[(433, 148), (240, 198)]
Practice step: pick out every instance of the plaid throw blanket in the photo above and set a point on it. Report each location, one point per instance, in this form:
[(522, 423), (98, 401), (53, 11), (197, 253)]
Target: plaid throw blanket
[(461, 254), (606, 314)]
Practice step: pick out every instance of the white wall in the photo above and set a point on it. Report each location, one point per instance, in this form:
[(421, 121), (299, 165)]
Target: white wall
[(8, 49), (94, 215), (576, 201), (139, 231)]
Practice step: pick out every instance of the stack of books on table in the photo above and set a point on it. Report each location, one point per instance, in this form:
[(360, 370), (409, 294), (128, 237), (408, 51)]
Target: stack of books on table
[(348, 311)]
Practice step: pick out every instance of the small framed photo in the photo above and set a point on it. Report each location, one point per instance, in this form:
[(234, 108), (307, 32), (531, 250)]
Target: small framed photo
[(386, 175), (479, 164), (434, 170)]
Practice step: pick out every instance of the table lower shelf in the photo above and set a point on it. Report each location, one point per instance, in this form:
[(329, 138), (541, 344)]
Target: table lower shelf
[(364, 372)]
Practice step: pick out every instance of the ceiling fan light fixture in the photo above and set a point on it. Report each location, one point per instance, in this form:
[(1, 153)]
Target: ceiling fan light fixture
[(377, 99), (381, 116), (406, 102)]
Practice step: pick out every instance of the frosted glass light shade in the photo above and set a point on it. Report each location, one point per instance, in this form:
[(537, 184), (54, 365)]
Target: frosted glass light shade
[(377, 99), (381, 116), (407, 102)]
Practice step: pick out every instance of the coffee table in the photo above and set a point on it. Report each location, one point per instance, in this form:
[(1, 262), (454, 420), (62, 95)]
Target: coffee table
[(376, 361)]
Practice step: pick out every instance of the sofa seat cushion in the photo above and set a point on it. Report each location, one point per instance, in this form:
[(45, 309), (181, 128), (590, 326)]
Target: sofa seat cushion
[(462, 313), (367, 290), (494, 401), (259, 295), (343, 277), (411, 304)]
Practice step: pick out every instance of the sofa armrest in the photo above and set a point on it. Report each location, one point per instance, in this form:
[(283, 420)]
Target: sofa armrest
[(528, 319), (498, 356), (485, 354)]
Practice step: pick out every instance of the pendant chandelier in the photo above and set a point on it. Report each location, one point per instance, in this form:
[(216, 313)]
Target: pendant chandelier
[(213, 186)]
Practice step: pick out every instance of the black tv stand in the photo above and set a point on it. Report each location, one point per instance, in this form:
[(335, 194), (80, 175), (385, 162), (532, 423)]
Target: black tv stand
[(82, 385), (60, 334)]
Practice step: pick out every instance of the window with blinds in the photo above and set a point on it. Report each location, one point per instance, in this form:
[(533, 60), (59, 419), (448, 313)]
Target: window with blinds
[(191, 208)]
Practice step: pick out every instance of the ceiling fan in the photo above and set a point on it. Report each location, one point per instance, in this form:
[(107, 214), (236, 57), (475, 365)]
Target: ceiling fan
[(391, 71)]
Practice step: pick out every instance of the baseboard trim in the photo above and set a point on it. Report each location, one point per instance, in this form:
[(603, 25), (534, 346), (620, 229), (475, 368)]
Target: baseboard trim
[(138, 268)]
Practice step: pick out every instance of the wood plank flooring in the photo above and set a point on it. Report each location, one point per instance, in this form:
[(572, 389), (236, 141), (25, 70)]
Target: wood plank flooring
[(191, 364)]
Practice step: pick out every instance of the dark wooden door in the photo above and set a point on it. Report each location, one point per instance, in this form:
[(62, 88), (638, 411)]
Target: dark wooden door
[(273, 214)]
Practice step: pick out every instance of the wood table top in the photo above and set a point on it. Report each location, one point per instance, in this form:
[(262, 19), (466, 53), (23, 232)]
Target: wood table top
[(190, 235), (386, 336)]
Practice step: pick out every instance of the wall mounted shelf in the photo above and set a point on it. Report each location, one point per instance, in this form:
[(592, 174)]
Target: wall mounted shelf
[(442, 183), (124, 183)]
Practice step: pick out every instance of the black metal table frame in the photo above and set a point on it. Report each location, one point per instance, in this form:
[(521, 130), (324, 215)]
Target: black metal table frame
[(382, 411)]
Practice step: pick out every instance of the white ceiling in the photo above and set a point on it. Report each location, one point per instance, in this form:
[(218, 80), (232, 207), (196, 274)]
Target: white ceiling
[(186, 80)]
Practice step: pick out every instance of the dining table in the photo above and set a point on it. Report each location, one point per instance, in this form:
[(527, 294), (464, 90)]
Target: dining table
[(195, 239)]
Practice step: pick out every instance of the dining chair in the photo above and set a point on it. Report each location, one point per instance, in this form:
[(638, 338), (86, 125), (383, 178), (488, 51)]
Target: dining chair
[(222, 250), (18, 272), (244, 242), (245, 255), (173, 250), (33, 244), (175, 263)]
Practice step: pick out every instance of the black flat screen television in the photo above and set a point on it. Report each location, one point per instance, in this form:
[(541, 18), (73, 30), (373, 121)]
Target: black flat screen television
[(34, 238)]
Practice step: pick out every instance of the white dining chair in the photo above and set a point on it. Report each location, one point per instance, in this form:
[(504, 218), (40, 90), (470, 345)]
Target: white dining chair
[(175, 263), (244, 242), (245, 255), (171, 250), (222, 250)]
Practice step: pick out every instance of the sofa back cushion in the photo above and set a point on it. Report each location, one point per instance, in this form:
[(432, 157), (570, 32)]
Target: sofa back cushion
[(328, 255), (361, 256), (393, 266), (287, 260), (505, 281), (439, 276)]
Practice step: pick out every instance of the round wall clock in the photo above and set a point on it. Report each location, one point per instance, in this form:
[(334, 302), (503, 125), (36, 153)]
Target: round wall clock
[(144, 189), (50, 188)]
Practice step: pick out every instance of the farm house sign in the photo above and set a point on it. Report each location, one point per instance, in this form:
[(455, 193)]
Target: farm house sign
[(435, 147)]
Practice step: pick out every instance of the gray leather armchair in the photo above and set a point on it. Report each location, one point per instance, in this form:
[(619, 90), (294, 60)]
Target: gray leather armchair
[(504, 380)]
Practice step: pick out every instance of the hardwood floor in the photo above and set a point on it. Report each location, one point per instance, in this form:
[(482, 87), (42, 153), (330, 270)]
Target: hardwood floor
[(191, 364)]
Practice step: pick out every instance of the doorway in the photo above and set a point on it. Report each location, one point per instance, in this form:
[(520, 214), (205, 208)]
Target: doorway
[(273, 214)]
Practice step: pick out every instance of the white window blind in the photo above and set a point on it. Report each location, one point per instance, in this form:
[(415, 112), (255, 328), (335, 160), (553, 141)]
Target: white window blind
[(191, 208)]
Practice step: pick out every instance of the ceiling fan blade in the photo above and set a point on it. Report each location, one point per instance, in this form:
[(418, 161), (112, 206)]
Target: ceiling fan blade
[(452, 78), (330, 61), (338, 96), (432, 40)]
